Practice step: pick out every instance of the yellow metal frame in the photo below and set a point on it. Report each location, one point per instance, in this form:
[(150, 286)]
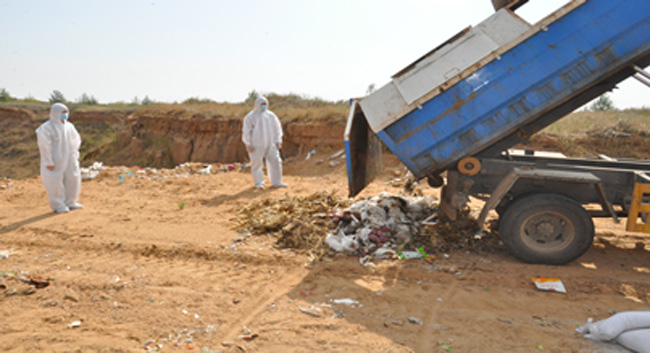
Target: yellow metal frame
[(638, 206)]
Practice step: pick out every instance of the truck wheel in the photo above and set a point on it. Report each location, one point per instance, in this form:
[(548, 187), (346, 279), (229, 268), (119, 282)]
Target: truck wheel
[(546, 229)]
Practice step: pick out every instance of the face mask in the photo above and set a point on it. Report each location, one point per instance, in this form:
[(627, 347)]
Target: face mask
[(64, 116), (262, 107)]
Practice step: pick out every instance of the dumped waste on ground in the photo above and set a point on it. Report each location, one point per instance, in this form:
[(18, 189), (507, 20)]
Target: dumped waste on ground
[(384, 226), (92, 171), (181, 171)]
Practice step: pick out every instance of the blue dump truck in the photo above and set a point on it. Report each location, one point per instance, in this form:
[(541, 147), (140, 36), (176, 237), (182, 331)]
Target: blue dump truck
[(453, 115)]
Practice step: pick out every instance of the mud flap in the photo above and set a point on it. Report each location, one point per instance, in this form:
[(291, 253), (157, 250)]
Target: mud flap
[(362, 151)]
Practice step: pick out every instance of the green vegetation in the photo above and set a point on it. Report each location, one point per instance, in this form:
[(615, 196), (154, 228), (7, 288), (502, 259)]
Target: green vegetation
[(87, 100), (602, 103), (4, 95), (56, 97)]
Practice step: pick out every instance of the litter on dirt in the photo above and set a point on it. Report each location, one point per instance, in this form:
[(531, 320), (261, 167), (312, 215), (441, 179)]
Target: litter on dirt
[(549, 284)]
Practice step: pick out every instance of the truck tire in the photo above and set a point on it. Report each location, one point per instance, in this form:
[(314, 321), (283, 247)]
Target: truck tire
[(546, 229)]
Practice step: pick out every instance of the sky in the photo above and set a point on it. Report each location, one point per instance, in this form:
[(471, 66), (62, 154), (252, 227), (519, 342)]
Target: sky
[(172, 50)]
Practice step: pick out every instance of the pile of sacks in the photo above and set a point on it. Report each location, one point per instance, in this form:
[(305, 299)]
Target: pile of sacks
[(380, 226)]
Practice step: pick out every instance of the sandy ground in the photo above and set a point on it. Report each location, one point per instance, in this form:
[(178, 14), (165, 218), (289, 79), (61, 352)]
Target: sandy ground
[(155, 265)]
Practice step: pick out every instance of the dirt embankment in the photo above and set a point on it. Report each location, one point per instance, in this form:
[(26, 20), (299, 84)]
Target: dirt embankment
[(163, 142), (159, 137)]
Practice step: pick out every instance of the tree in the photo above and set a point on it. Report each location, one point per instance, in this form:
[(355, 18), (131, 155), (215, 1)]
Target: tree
[(87, 100), (252, 96), (4, 95), (602, 103), (146, 100), (57, 97)]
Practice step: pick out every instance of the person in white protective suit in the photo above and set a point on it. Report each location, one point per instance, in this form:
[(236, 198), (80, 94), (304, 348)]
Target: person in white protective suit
[(58, 142), (262, 135)]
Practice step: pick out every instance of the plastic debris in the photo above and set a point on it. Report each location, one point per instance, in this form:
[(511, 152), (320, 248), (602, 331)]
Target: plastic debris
[(310, 153), (415, 321), (92, 171), (549, 284), (312, 311), (207, 170), (347, 301), (381, 222), (4, 254), (75, 324), (337, 154)]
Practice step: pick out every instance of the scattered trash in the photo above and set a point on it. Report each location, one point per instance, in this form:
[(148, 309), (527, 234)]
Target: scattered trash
[(92, 171), (312, 311), (75, 324), (549, 284), (349, 302), (247, 335), (4, 254), (337, 154), (630, 329), (334, 163), (419, 254), (415, 321), (310, 153), (305, 293), (207, 170)]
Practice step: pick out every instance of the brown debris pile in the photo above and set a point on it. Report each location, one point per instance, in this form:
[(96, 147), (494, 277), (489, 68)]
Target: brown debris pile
[(299, 223), (384, 226)]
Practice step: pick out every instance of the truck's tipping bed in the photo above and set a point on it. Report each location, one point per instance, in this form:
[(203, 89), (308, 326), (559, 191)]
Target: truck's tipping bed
[(494, 85)]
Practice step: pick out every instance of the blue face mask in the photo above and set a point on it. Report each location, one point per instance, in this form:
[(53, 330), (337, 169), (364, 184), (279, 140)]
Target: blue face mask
[(263, 107), (64, 116)]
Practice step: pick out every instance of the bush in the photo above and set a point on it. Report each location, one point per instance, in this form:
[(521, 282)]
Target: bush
[(603, 103), (57, 97), (146, 100), (87, 100), (4, 95)]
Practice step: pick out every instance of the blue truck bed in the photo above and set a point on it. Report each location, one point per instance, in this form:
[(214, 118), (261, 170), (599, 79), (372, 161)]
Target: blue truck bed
[(492, 86)]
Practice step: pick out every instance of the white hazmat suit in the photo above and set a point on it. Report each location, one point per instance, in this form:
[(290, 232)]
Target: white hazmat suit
[(59, 142), (262, 135)]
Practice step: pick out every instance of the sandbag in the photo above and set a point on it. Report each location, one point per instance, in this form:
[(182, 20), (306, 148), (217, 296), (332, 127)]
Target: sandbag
[(630, 329), (635, 340)]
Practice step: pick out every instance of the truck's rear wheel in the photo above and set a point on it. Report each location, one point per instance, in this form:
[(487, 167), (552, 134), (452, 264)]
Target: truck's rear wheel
[(546, 229)]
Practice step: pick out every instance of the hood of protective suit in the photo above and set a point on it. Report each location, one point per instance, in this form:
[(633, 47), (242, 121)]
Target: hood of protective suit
[(258, 103), (56, 110)]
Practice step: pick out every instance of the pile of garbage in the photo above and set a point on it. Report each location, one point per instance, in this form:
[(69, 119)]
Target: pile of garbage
[(384, 226)]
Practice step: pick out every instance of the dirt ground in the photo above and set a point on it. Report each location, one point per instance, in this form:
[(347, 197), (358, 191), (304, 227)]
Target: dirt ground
[(153, 264)]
